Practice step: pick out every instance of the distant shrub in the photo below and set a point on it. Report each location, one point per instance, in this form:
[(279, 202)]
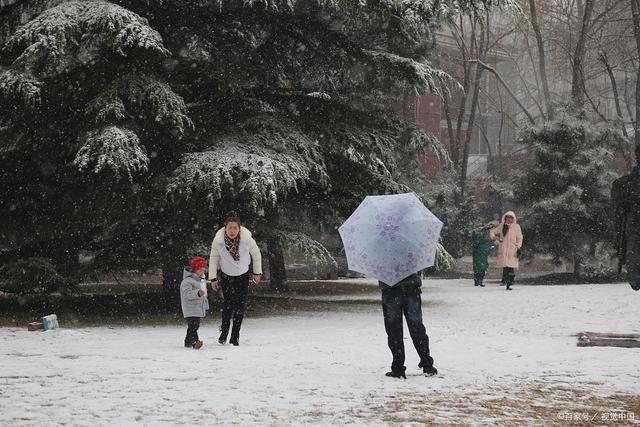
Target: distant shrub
[(597, 273), (33, 275)]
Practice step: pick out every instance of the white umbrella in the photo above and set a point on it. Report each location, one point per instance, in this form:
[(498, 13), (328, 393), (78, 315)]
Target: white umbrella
[(390, 237)]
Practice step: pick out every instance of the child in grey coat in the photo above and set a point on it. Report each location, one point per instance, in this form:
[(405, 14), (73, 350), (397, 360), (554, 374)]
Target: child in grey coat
[(193, 298)]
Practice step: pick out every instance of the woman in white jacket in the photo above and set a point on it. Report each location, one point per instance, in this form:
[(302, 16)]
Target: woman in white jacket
[(232, 250)]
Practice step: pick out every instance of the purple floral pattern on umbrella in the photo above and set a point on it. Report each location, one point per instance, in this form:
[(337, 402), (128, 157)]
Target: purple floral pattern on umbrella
[(390, 237)]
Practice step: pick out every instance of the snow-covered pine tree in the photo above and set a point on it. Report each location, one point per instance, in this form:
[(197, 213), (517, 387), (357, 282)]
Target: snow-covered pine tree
[(85, 120), (564, 193), (286, 97), (296, 90)]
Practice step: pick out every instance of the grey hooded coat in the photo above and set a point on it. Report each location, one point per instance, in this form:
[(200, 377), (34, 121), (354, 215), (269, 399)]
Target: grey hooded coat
[(192, 304)]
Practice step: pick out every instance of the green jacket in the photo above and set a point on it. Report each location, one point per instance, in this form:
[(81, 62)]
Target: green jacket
[(412, 281), (480, 251)]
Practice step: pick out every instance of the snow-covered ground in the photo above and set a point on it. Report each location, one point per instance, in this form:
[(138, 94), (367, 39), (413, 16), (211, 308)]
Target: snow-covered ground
[(504, 357)]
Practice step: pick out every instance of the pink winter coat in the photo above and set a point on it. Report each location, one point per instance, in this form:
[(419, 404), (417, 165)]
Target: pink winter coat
[(506, 256)]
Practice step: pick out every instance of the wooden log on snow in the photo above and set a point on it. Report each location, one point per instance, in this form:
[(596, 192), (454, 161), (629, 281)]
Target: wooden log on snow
[(595, 339), (35, 326), (611, 335)]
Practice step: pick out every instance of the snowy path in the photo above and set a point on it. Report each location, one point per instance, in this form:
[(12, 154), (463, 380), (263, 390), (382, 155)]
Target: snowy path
[(505, 357)]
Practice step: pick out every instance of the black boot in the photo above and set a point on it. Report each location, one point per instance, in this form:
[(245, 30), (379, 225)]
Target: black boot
[(223, 337), (429, 371), (510, 279), (427, 367), (475, 279), (480, 279), (397, 373)]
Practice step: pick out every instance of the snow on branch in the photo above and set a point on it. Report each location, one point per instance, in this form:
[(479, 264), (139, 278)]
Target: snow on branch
[(112, 148), (106, 107), (262, 162), (313, 251), (76, 31), (18, 85), (419, 74), (141, 94), (159, 100), (444, 260)]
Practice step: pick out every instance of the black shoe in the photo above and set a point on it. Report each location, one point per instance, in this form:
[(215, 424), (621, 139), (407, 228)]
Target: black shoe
[(234, 342), (481, 285), (223, 338), (429, 371), (396, 374)]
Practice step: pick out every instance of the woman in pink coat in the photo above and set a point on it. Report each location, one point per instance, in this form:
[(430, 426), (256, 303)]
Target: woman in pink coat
[(509, 237)]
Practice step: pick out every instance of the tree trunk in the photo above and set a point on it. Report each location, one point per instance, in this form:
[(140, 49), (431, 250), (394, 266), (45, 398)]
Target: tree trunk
[(447, 114), (469, 133), (635, 8), (577, 83), (171, 279), (277, 272), (542, 60), (616, 98)]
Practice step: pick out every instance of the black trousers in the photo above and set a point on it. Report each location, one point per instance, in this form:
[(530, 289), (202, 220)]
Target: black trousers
[(478, 278), (193, 323), (508, 276), (397, 301), (234, 291)]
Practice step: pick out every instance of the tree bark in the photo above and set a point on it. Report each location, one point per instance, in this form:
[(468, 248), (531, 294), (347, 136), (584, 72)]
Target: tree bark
[(507, 88), (542, 60), (469, 133), (635, 9), (447, 115), (577, 80), (171, 279), (455, 155), (277, 272)]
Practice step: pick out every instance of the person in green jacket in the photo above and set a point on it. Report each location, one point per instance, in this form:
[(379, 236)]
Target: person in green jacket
[(480, 254)]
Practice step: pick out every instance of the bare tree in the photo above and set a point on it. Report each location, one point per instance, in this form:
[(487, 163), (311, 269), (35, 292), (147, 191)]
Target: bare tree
[(542, 59), (635, 10)]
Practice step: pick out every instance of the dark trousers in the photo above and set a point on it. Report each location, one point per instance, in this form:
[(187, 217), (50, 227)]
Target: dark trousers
[(508, 276), (234, 304), (193, 323), (397, 301), (478, 278)]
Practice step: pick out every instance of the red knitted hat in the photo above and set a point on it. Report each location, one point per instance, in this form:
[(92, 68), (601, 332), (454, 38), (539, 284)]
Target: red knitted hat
[(197, 262)]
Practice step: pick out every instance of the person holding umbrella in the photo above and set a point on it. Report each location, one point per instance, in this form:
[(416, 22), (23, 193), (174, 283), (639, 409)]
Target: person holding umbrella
[(391, 238), (404, 298)]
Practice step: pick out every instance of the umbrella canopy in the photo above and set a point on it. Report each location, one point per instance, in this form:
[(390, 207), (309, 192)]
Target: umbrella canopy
[(390, 237)]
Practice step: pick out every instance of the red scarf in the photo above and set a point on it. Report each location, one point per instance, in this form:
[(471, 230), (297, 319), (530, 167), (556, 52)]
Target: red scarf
[(233, 246)]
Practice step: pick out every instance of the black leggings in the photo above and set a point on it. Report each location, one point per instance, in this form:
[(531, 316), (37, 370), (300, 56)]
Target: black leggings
[(193, 323), (508, 276), (234, 292)]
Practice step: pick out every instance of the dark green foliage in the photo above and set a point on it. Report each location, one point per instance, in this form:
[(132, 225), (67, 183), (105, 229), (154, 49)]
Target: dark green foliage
[(460, 216), (33, 275), (565, 192), (269, 107)]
